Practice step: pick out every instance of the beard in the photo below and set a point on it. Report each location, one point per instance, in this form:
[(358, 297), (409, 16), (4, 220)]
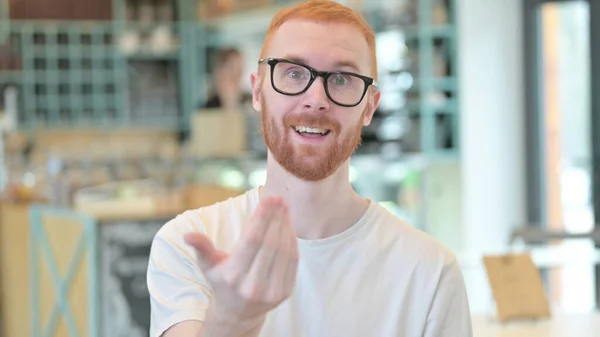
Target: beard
[(310, 162)]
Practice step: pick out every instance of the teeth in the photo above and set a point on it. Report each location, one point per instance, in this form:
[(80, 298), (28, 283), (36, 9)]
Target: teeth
[(310, 130)]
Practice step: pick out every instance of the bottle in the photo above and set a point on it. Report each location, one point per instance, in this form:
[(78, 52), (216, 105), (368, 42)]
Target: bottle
[(58, 187)]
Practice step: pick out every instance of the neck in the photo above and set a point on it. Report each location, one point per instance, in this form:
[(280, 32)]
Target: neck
[(317, 209)]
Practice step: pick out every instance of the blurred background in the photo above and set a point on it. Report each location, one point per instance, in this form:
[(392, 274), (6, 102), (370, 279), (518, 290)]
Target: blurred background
[(117, 115)]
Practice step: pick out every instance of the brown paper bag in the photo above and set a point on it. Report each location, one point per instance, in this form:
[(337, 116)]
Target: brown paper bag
[(517, 287)]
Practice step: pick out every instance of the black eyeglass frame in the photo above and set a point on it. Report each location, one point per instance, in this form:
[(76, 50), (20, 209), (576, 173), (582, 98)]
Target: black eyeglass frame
[(314, 73)]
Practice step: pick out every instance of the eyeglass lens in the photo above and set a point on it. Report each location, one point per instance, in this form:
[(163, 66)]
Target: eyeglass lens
[(292, 79)]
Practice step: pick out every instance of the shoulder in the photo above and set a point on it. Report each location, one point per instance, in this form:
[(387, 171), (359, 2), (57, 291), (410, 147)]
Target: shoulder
[(213, 102), (221, 221), (247, 97), (411, 245)]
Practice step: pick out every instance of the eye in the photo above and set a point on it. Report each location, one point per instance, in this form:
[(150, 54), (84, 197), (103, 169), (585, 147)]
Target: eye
[(339, 80), (295, 74)]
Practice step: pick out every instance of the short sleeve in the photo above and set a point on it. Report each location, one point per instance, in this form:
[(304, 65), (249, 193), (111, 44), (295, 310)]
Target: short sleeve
[(449, 314), (178, 290)]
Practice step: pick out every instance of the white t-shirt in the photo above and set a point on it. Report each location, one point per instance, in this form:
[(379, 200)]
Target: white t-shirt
[(382, 277)]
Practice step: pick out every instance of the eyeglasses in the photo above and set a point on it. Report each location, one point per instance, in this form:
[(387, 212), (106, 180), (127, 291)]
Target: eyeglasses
[(293, 78)]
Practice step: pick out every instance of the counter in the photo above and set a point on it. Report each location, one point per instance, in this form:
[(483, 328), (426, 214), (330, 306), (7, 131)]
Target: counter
[(14, 270), (561, 325), (65, 271)]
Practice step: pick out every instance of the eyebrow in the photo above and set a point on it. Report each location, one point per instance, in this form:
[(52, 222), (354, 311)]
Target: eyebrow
[(339, 64)]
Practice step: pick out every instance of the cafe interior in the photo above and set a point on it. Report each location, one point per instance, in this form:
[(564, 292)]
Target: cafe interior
[(113, 121)]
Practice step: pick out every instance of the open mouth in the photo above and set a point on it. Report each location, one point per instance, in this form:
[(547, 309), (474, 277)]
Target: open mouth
[(306, 131)]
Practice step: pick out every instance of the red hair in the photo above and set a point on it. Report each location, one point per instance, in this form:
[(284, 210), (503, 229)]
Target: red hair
[(324, 11)]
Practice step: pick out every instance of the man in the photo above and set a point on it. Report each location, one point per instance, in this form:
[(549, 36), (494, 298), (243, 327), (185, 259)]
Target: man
[(304, 255)]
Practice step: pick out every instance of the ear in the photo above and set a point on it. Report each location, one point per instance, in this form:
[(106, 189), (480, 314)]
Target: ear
[(255, 82), (372, 104)]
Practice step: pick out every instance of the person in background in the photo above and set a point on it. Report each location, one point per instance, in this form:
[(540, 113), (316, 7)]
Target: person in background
[(304, 254), (227, 90)]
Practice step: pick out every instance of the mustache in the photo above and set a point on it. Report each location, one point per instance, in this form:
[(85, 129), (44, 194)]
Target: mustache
[(320, 121)]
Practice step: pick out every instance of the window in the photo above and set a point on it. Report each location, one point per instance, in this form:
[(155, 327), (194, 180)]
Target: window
[(562, 75)]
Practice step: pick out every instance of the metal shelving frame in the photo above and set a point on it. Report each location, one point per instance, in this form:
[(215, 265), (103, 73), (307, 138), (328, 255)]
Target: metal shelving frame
[(74, 75)]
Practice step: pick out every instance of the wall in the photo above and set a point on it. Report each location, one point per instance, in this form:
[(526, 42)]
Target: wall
[(492, 111), (443, 190), (492, 121)]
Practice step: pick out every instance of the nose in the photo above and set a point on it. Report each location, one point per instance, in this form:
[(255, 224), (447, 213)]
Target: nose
[(315, 97)]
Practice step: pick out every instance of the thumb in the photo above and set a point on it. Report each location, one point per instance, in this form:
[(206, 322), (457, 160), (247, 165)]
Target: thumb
[(206, 254)]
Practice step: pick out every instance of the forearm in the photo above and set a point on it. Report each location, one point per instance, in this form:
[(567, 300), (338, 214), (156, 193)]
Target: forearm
[(215, 326), (219, 324)]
